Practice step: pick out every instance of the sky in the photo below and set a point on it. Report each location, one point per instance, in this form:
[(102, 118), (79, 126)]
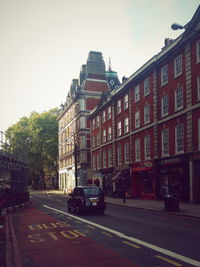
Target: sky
[(43, 44)]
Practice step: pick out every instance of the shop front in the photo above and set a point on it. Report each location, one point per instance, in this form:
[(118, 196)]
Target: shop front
[(143, 180), (173, 177), (195, 178)]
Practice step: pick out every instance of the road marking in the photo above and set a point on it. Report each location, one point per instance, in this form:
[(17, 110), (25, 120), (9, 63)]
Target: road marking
[(135, 240), (107, 234), (78, 222), (168, 260), (131, 244)]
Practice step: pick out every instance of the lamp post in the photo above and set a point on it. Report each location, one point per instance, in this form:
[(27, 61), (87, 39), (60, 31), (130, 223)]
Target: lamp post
[(75, 163)]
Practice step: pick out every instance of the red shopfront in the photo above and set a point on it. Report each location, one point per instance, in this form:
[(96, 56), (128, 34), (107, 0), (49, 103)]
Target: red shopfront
[(143, 180)]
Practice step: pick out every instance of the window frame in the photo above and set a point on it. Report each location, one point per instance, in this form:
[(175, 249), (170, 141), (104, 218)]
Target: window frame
[(147, 86), (137, 150), (126, 125), (119, 106), (103, 116), (147, 114), (109, 113), (119, 128), (104, 135), (164, 105), (109, 133), (165, 142), (178, 138), (137, 93), (137, 119), (164, 75), (126, 99), (147, 147), (119, 154), (178, 98), (104, 159), (110, 158), (178, 64), (126, 153)]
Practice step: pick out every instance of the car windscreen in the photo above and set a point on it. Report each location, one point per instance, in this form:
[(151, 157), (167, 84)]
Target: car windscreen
[(92, 191)]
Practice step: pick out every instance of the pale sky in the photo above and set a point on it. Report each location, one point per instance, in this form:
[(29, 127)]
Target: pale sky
[(43, 44)]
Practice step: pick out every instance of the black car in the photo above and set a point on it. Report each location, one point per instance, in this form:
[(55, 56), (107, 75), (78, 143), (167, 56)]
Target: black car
[(86, 198)]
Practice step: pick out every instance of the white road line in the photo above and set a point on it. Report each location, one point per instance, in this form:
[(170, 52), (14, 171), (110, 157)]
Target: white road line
[(138, 241)]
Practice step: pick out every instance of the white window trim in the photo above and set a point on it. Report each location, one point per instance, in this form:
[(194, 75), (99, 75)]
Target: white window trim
[(126, 125), (104, 116), (119, 106), (175, 66), (104, 136), (164, 68), (126, 102), (126, 153), (137, 150), (137, 93), (137, 119), (119, 155), (109, 133), (147, 88), (162, 106), (165, 154), (97, 121), (146, 107), (175, 98), (147, 137), (176, 139), (109, 113), (119, 128)]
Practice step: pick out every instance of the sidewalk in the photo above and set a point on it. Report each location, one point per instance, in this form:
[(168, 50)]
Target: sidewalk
[(186, 208)]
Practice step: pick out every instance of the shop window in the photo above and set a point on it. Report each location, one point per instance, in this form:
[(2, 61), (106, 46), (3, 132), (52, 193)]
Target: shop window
[(199, 133), (98, 162), (148, 183)]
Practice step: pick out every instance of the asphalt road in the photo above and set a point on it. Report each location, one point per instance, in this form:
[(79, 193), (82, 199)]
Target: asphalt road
[(142, 237)]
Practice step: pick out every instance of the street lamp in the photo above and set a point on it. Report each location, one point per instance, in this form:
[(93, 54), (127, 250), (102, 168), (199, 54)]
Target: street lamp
[(176, 26)]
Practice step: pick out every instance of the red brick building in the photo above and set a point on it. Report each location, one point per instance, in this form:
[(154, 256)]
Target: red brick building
[(146, 133)]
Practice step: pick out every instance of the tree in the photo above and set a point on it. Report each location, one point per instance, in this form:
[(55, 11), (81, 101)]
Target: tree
[(35, 139)]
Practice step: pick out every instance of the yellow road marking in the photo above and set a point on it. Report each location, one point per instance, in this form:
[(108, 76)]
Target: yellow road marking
[(131, 244), (107, 234), (168, 260)]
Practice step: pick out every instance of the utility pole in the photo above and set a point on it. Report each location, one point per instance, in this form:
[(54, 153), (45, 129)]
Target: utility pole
[(75, 161)]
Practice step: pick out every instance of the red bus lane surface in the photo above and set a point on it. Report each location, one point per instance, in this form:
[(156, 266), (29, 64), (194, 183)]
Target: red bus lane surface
[(41, 241)]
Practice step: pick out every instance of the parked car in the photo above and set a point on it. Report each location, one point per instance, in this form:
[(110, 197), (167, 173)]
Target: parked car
[(86, 198)]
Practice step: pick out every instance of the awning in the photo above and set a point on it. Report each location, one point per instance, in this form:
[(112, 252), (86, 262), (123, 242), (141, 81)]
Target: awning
[(116, 176), (139, 169)]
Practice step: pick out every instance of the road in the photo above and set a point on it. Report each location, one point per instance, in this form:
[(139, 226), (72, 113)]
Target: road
[(121, 237)]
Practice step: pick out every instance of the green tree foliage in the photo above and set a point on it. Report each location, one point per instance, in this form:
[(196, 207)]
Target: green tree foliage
[(35, 140)]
